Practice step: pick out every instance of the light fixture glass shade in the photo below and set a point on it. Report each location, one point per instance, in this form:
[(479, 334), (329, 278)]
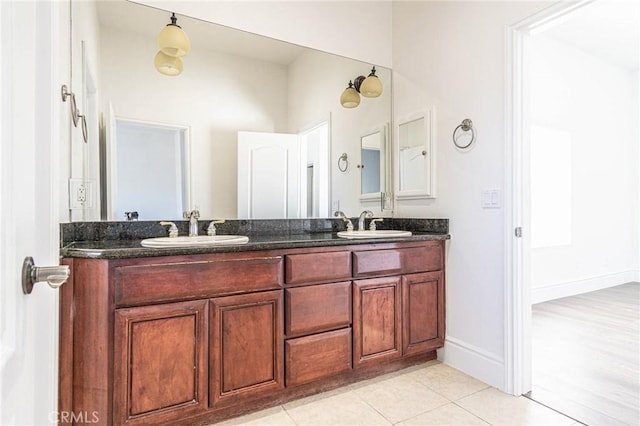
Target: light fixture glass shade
[(350, 98), (168, 65), (371, 86), (173, 41)]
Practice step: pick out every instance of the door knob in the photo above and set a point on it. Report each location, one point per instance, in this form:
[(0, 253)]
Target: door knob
[(55, 276)]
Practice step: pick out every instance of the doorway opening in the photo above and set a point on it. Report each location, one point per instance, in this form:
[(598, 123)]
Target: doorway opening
[(575, 167)]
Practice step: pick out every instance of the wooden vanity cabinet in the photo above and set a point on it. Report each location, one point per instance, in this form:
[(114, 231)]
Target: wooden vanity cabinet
[(196, 339)]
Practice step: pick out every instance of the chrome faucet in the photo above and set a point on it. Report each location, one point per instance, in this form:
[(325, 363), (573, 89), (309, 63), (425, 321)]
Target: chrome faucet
[(345, 219), (367, 214), (193, 217)]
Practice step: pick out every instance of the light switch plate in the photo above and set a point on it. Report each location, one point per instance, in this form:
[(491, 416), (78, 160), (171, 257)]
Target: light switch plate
[(491, 199)]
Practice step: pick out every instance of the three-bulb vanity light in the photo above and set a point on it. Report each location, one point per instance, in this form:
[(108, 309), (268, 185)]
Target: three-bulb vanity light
[(173, 44), (369, 87)]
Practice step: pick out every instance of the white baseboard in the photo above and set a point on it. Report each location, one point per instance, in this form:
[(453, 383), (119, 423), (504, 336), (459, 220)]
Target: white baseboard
[(473, 361), (572, 288)]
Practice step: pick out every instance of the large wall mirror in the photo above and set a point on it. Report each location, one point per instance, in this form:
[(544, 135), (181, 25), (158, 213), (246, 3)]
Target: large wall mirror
[(415, 155), (232, 83)]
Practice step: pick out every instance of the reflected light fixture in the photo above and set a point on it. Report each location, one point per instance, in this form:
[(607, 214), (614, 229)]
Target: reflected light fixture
[(369, 87), (168, 65), (173, 43)]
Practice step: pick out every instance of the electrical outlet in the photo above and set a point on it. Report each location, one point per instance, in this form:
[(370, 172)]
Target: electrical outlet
[(335, 205), (81, 194)]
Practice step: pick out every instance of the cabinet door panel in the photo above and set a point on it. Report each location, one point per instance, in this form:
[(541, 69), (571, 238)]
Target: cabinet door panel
[(160, 363), (423, 312), (246, 347), (376, 320)]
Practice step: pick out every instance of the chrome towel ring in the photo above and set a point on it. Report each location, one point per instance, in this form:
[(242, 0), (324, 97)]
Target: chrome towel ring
[(465, 126), (75, 112), (343, 162)]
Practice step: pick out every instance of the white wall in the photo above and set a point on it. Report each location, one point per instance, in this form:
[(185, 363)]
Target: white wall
[(451, 55), (636, 198), (593, 101), (216, 95), (355, 29)]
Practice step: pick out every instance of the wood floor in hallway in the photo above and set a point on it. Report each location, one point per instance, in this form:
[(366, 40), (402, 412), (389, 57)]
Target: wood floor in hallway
[(586, 355)]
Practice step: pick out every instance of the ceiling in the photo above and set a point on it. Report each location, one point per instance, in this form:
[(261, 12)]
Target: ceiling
[(148, 21), (608, 29)]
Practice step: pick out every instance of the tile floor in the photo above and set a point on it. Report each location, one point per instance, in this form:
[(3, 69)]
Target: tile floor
[(428, 394)]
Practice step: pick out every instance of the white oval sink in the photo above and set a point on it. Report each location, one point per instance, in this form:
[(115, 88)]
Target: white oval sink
[(383, 233), (199, 241)]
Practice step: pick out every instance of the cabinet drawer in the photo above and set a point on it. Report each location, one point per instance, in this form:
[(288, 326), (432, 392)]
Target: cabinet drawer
[(320, 355), (317, 267), (157, 283), (317, 308), (398, 261)]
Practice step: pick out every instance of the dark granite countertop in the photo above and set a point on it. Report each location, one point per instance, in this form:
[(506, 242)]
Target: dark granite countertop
[(121, 240), (121, 249)]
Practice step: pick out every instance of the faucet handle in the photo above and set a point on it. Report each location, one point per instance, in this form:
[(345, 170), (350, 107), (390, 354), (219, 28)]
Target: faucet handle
[(211, 230), (372, 224), (344, 217), (173, 229)]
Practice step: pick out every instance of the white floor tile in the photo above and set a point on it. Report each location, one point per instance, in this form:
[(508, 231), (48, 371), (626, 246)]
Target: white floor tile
[(449, 414), (400, 398), (275, 416), (335, 409), (498, 408), (447, 381)]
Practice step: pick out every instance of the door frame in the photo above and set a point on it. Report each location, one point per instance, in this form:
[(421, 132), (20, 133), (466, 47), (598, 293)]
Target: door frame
[(517, 290)]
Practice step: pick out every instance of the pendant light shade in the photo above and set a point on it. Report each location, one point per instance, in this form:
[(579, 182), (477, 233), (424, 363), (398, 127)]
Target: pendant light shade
[(168, 65), (350, 98), (172, 40), (371, 86)]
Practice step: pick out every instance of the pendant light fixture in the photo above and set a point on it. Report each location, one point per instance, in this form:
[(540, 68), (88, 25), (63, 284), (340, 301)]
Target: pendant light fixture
[(172, 40), (369, 87), (173, 43)]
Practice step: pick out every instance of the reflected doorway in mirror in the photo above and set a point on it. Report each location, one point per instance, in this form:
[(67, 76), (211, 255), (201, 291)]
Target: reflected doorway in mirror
[(147, 170)]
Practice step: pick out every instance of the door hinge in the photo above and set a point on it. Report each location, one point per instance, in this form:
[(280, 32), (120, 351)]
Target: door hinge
[(519, 232)]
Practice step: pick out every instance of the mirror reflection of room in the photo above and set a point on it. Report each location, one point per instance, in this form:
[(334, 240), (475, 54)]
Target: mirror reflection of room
[(230, 82), (412, 139), (414, 149)]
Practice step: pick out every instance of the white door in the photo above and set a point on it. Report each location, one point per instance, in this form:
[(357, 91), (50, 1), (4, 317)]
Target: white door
[(268, 175), (35, 63)]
